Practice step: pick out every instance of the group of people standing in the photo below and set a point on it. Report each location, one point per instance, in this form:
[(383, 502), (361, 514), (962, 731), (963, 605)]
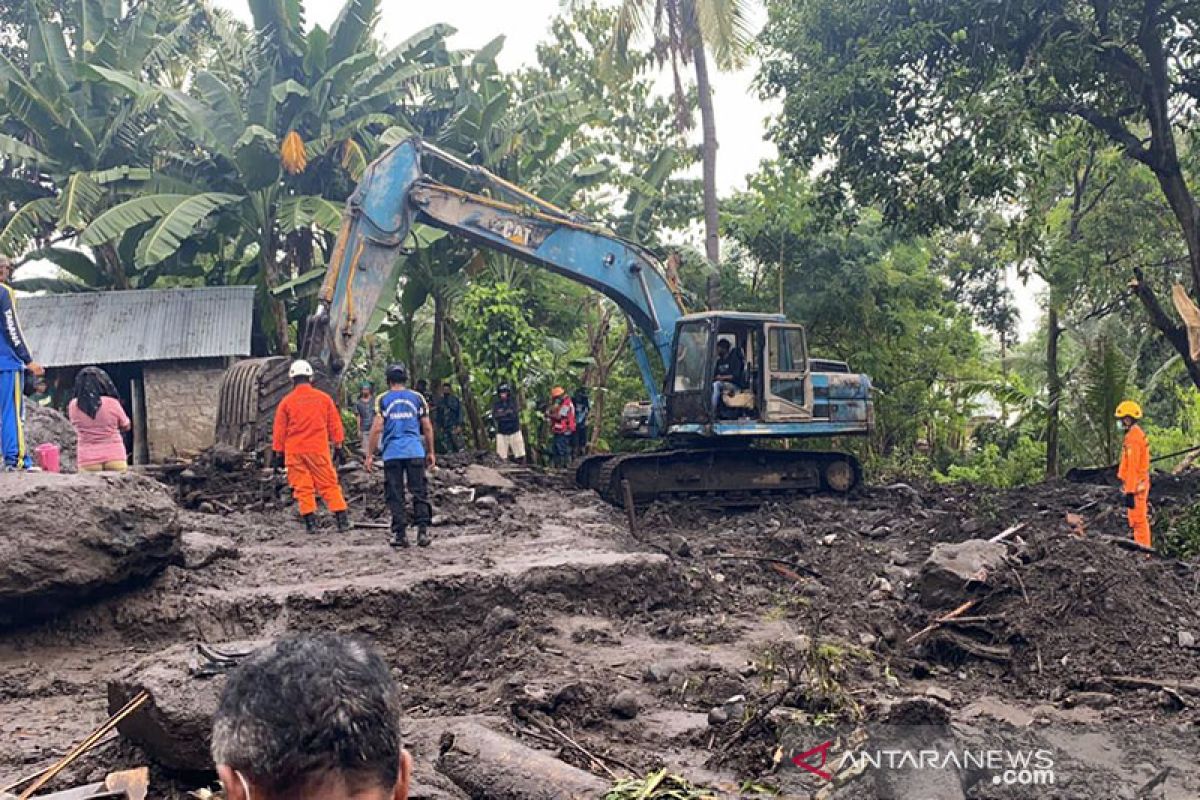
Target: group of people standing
[(566, 414)]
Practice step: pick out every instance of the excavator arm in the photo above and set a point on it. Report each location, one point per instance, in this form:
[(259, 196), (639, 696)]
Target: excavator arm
[(396, 193)]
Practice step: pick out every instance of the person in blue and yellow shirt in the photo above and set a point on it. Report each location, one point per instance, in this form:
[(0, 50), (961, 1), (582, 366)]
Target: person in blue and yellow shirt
[(15, 360), (402, 423)]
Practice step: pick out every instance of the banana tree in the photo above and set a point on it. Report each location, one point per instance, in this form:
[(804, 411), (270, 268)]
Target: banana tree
[(73, 140), (270, 150)]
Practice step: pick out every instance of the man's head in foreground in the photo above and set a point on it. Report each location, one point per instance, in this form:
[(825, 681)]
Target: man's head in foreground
[(6, 269), (311, 716)]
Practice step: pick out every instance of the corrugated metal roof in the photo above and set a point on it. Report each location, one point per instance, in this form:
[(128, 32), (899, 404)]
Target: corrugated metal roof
[(67, 330)]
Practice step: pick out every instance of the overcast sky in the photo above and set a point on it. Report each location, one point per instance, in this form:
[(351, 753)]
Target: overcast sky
[(524, 24)]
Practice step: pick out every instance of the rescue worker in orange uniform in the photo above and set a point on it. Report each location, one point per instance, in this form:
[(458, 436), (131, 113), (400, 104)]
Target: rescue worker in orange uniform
[(1134, 472), (306, 423)]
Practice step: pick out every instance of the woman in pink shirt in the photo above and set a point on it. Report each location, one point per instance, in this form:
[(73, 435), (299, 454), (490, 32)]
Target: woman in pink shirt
[(99, 419)]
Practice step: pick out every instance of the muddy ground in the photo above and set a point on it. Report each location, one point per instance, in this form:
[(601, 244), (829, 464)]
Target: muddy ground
[(745, 636)]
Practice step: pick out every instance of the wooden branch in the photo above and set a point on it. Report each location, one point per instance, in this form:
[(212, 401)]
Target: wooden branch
[(1133, 682), (937, 623)]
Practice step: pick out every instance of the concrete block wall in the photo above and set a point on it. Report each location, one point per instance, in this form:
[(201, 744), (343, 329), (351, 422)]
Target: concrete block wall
[(181, 406)]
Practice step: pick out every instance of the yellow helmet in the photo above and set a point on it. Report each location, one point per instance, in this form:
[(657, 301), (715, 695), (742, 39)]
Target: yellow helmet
[(1128, 408)]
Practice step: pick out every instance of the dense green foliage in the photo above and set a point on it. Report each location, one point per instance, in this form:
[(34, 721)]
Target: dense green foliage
[(930, 164)]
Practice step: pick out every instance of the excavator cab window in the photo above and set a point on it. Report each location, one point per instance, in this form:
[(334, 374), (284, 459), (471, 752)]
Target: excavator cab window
[(787, 374), (690, 381)]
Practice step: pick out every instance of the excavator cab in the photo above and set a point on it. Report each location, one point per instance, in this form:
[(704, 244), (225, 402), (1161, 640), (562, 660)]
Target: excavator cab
[(762, 361)]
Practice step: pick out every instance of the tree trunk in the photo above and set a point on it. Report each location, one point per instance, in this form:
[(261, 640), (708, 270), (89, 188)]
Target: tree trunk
[(478, 431), (1054, 385), (708, 124), (440, 308)]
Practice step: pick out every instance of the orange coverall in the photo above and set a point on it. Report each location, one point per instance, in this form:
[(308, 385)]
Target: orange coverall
[(305, 423), (1134, 473)]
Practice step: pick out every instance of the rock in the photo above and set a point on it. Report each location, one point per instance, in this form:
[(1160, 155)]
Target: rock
[(1186, 639), (625, 705), (939, 693), (680, 546), (952, 569), (659, 672), (174, 727), (717, 715), (69, 538), (1091, 699), (829, 539), (201, 549), (45, 425), (486, 503), (867, 640), (206, 508), (735, 706), (487, 480), (500, 619)]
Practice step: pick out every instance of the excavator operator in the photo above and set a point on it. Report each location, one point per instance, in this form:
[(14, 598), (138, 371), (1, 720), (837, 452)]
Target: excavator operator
[(730, 372)]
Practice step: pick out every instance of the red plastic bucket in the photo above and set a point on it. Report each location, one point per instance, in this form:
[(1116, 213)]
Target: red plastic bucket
[(46, 456)]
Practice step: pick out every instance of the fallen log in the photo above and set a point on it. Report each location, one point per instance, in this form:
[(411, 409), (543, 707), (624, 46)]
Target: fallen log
[(487, 764), (1132, 682)]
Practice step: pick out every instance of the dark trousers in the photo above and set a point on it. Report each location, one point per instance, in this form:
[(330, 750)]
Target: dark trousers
[(396, 473), (579, 441), (561, 451)]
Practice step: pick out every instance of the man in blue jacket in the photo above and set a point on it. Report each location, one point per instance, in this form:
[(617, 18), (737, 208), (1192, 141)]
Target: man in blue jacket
[(15, 359), (402, 422)]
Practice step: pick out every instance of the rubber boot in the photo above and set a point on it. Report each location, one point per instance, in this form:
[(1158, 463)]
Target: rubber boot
[(399, 537), (342, 518), (422, 536), (310, 522)]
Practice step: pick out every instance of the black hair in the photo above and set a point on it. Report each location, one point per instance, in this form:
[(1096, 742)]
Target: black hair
[(92, 383), (305, 707)]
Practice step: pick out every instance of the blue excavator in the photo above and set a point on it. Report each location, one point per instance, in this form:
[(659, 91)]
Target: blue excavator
[(717, 450)]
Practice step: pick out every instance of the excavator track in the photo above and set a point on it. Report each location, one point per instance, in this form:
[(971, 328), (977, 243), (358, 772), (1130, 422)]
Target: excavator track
[(726, 476)]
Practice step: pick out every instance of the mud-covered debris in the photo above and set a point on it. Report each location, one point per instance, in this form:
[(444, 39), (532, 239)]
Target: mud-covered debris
[(70, 538), (487, 480), (44, 425), (485, 763), (680, 546), (1186, 639), (201, 549), (175, 727), (626, 704), (486, 503), (500, 619), (952, 569)]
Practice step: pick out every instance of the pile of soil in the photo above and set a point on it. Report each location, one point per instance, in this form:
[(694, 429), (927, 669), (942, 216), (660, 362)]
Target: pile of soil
[(44, 425), (710, 641)]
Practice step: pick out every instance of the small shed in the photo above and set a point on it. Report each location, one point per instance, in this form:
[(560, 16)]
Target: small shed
[(166, 350)]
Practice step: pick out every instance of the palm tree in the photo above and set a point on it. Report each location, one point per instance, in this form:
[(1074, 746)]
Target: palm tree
[(685, 31)]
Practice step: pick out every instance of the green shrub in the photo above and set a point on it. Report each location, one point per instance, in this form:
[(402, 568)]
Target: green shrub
[(1023, 464), (1177, 532)]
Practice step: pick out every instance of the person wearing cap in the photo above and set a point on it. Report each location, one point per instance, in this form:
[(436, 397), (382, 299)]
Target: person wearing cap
[(307, 422), (402, 426), (1134, 472), (507, 418), (364, 412), (562, 425), (15, 361)]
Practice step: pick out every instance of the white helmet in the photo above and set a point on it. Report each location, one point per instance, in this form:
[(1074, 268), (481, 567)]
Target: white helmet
[(300, 369)]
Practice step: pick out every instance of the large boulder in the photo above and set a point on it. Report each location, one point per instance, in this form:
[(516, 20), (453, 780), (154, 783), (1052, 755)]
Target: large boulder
[(72, 538), (953, 571), (44, 425)]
